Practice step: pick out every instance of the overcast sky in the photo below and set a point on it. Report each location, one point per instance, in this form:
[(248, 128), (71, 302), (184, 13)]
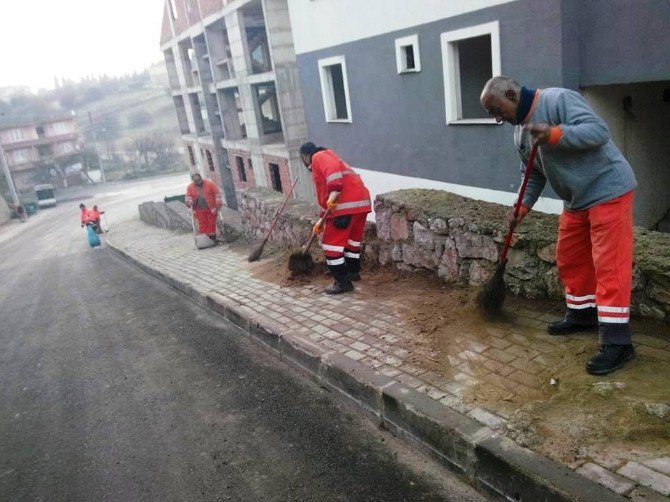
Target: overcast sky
[(40, 39)]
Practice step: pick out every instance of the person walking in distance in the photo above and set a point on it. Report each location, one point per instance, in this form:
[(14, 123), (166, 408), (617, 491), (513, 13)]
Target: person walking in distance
[(341, 191), (594, 254), (204, 198), (83, 214)]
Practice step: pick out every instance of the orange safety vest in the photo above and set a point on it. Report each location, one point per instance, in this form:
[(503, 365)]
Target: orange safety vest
[(331, 174), (210, 191), (93, 215)]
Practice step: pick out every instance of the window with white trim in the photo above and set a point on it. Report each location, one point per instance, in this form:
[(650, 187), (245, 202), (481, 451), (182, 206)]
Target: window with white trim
[(470, 57), (16, 135), (407, 54), (335, 89), (21, 155), (173, 9)]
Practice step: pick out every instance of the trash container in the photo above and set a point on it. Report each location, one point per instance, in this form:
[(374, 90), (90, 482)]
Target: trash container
[(181, 198), (30, 207)]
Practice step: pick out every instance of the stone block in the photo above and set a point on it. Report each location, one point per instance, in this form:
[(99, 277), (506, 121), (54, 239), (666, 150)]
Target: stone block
[(449, 266), (521, 265), (548, 253), (438, 225), (400, 229), (422, 236), (608, 479), (517, 473), (646, 477), (471, 245), (479, 272), (449, 433)]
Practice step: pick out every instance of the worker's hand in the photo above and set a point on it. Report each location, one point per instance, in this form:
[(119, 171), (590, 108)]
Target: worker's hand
[(539, 132), (214, 211), (332, 200), (318, 227), (512, 222), (82, 225)]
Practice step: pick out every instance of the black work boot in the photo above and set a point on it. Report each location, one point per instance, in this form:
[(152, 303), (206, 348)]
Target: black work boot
[(353, 266), (575, 320), (609, 358), (342, 283), (339, 287)]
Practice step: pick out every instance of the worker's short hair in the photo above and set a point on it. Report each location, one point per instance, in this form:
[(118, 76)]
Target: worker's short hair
[(308, 148)]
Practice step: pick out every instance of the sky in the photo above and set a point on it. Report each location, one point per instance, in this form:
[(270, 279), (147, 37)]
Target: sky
[(42, 39)]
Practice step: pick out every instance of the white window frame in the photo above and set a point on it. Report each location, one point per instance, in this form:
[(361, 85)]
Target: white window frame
[(16, 135), (400, 44), (22, 155), (450, 64), (327, 90), (173, 9)]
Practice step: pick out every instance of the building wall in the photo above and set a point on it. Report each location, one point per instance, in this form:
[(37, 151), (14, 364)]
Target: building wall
[(284, 174), (251, 179), (28, 133), (641, 134), (399, 122), (624, 41)]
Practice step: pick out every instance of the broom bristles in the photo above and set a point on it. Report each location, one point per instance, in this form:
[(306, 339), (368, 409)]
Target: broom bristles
[(300, 263), (255, 255), (491, 295)]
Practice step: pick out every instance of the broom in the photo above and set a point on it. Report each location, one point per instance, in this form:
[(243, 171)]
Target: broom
[(256, 253), (492, 294), (300, 262)]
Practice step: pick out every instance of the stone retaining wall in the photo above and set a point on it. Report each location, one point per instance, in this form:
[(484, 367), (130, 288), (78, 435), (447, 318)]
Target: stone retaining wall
[(460, 239), (176, 216)]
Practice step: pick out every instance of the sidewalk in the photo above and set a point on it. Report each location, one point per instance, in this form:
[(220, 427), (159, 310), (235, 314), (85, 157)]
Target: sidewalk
[(417, 357)]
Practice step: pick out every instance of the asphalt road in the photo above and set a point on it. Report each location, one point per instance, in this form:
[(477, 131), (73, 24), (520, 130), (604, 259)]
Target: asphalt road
[(115, 387)]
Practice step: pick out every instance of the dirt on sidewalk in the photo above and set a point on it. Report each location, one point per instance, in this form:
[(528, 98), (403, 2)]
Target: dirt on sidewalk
[(511, 367)]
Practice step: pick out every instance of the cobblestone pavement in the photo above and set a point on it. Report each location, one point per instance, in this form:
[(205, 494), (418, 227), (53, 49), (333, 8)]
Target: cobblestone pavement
[(511, 360)]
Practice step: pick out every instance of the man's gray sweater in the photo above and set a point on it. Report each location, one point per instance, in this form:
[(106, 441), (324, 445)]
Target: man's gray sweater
[(584, 168)]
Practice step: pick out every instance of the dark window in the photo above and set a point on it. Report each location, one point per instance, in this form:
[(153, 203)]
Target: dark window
[(210, 161), (339, 95), (474, 60), (266, 97), (275, 178), (40, 130), (240, 168), (191, 156), (409, 57)]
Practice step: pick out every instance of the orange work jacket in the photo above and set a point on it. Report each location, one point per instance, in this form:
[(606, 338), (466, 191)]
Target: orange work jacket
[(331, 174), (210, 191)]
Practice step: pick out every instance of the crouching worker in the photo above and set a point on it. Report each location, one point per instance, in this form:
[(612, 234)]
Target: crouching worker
[(204, 198), (341, 191)]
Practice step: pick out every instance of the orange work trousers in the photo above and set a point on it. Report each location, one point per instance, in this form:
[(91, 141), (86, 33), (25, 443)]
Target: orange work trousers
[(595, 262), (206, 221), (342, 246)]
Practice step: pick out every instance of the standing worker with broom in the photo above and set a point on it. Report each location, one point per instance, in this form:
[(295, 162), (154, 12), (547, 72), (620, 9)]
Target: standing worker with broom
[(346, 201), (595, 237), (204, 198)]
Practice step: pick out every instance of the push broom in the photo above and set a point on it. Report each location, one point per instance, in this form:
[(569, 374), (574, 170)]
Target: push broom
[(491, 295), (256, 253)]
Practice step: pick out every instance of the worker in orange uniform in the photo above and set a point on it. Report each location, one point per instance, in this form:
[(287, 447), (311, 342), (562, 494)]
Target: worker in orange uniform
[(83, 214), (580, 161), (340, 190), (94, 218), (204, 198)]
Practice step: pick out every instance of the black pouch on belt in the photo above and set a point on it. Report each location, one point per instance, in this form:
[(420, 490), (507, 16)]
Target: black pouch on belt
[(342, 222)]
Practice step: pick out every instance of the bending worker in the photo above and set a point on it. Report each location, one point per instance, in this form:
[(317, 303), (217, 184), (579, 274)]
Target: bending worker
[(204, 198), (595, 236), (341, 190)]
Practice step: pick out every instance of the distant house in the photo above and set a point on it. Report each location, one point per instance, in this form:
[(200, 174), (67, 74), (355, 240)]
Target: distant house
[(42, 151), (393, 86), (234, 82)]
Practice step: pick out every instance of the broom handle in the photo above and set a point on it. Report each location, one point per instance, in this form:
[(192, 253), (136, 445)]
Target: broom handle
[(288, 195), (306, 247), (517, 207)]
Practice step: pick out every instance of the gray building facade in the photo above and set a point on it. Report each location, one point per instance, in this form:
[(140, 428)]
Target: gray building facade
[(413, 70)]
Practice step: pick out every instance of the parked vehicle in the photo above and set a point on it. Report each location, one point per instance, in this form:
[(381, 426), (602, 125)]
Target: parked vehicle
[(45, 195)]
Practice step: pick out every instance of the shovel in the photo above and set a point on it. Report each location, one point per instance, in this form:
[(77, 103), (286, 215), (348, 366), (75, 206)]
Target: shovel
[(492, 294), (300, 262)]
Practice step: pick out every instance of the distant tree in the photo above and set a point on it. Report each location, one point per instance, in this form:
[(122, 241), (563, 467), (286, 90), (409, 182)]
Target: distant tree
[(143, 146), (140, 118)]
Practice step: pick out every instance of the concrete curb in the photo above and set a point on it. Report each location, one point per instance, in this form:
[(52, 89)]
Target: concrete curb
[(489, 461)]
